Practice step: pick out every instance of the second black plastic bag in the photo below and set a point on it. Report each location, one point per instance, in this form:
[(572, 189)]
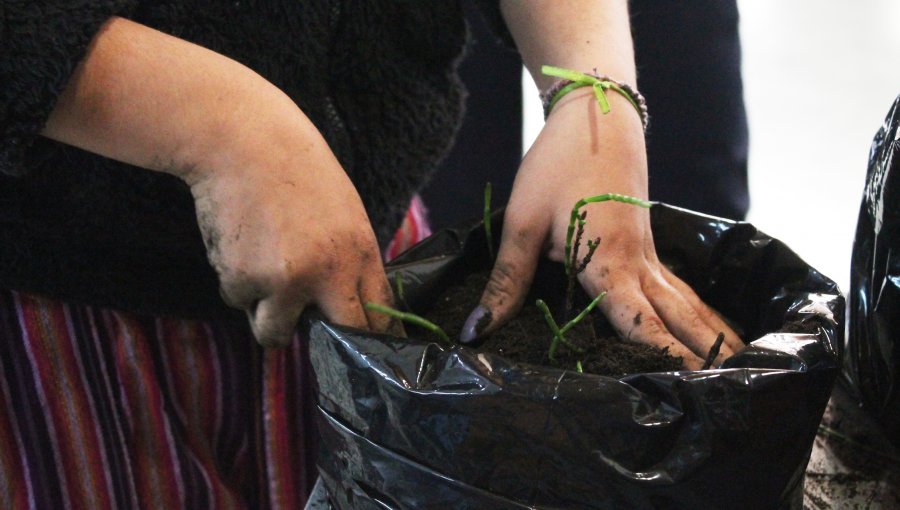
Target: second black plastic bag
[(407, 424), (872, 358)]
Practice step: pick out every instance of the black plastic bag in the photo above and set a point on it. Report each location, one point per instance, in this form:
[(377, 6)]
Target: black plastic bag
[(410, 425), (872, 357)]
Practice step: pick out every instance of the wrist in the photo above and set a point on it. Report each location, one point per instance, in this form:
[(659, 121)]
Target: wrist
[(234, 128), (579, 115), (597, 153), (601, 86)]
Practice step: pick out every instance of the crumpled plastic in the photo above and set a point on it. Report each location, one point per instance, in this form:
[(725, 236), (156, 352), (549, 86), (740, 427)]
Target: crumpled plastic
[(872, 350), (406, 424)]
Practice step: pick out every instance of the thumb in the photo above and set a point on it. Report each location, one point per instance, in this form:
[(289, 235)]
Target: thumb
[(509, 282), (274, 321)]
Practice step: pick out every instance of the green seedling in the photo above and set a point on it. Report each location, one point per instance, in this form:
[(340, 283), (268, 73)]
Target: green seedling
[(558, 336), (578, 367), (398, 288), (572, 276), (574, 266), (575, 219), (410, 318), (559, 333), (489, 238)]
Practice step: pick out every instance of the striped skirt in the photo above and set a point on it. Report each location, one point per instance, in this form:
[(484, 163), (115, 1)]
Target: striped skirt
[(102, 409), (105, 409)]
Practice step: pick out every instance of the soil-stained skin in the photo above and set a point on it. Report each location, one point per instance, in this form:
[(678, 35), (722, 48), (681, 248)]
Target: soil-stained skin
[(484, 321), (248, 294), (210, 232), (501, 278)]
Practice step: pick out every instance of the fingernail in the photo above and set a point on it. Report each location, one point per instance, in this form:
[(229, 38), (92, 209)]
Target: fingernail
[(475, 324)]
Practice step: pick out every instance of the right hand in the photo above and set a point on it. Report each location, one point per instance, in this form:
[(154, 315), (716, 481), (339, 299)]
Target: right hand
[(283, 225), (285, 228)]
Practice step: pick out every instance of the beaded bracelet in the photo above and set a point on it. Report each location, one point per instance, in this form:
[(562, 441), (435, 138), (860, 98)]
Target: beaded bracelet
[(571, 80)]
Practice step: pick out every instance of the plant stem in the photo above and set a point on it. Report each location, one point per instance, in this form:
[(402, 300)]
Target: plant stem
[(569, 325), (487, 220), (573, 219), (557, 333), (572, 275), (592, 247), (410, 318), (579, 267), (401, 292), (714, 351)]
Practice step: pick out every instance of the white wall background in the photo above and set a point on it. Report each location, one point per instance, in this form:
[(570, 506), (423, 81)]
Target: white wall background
[(819, 77)]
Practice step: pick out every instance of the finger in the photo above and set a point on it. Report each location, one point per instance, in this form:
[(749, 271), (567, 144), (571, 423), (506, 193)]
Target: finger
[(683, 321), (509, 282), (274, 321), (706, 313), (341, 304), (374, 288), (632, 315), (240, 294)]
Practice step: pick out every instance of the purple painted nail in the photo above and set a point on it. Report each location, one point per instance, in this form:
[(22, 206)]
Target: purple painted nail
[(475, 324)]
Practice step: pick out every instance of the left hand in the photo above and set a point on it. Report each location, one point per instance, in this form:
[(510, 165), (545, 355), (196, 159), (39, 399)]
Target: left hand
[(579, 153)]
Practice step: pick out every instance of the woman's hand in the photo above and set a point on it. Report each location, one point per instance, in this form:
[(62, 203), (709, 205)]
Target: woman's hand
[(579, 153), (283, 225), (285, 228)]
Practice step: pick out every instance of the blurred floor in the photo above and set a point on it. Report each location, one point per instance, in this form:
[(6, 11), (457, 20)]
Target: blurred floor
[(852, 465)]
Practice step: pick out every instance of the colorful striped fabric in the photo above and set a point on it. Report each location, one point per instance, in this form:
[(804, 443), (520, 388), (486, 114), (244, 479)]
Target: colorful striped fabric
[(413, 229), (103, 409)]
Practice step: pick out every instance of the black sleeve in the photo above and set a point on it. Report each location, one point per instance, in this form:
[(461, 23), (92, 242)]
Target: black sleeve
[(41, 43)]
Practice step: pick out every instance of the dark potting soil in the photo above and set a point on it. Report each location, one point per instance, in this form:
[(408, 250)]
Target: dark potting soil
[(527, 337)]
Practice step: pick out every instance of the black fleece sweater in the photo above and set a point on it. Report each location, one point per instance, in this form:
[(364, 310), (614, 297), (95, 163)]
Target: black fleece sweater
[(376, 77)]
